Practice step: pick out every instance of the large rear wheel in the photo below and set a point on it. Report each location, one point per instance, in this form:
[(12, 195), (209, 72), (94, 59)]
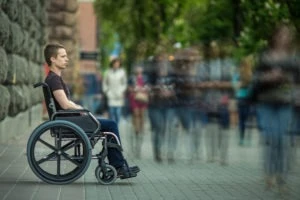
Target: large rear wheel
[(59, 152)]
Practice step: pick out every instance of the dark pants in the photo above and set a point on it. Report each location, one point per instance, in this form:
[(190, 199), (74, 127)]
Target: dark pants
[(217, 130), (115, 156), (295, 129), (275, 124), (158, 120), (224, 119), (243, 112), (221, 116)]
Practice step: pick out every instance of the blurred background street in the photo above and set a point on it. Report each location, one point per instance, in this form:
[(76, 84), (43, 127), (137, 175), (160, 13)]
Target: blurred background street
[(206, 94)]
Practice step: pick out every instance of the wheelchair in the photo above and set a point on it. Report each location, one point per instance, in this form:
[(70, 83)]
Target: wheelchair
[(59, 151)]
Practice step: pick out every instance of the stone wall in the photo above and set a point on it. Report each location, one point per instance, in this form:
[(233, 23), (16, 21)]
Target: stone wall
[(62, 28), (22, 38), (26, 26)]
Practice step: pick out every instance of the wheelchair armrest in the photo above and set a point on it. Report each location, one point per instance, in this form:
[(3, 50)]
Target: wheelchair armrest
[(70, 113), (74, 111), (83, 118)]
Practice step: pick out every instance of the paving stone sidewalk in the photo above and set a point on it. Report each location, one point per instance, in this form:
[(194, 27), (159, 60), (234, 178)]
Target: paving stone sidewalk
[(241, 179)]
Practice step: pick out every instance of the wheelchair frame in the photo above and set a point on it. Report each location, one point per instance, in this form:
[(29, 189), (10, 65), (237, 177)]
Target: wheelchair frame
[(59, 151)]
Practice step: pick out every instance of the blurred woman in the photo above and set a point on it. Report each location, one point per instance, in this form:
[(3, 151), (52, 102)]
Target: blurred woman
[(275, 76), (114, 87), (241, 83), (138, 99)]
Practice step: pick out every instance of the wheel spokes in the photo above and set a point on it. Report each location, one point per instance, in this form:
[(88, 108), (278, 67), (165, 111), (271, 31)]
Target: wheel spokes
[(68, 157), (47, 144), (48, 157), (71, 144), (58, 165), (58, 152)]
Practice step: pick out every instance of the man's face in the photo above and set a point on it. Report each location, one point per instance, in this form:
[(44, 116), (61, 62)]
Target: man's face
[(61, 60)]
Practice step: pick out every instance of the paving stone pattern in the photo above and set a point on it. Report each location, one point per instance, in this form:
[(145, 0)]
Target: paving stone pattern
[(241, 179)]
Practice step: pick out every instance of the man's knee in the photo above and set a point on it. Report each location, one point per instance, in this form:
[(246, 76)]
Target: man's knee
[(112, 124)]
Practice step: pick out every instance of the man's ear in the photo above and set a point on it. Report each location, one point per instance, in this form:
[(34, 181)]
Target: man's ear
[(52, 59)]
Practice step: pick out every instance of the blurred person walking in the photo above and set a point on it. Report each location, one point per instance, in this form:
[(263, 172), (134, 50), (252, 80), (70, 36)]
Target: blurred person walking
[(186, 109), (241, 81), (218, 92), (273, 89), (114, 87), (161, 98), (138, 100)]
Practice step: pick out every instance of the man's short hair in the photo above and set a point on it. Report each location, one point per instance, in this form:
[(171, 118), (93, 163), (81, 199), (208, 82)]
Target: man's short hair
[(51, 50)]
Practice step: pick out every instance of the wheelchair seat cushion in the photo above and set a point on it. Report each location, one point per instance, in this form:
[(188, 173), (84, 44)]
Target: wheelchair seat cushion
[(83, 121)]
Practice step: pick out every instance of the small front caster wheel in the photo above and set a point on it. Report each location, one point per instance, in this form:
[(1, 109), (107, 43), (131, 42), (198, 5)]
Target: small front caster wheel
[(106, 175)]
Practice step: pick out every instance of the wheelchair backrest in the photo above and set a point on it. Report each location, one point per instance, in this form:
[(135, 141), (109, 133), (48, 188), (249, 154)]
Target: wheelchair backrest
[(50, 105), (88, 122)]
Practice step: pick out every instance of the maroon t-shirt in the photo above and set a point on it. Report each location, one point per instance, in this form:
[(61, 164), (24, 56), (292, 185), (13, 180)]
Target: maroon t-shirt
[(55, 82)]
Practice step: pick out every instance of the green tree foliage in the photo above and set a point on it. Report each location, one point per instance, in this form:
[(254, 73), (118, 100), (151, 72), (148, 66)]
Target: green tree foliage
[(142, 26), (294, 11), (260, 17), (212, 21), (148, 27)]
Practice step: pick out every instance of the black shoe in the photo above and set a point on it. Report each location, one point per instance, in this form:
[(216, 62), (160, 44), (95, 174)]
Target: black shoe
[(125, 172), (158, 159), (134, 169)]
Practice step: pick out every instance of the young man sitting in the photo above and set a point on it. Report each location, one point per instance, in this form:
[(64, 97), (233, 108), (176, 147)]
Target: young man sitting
[(57, 60)]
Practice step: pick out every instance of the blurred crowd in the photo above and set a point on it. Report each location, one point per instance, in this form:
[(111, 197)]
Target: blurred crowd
[(206, 96)]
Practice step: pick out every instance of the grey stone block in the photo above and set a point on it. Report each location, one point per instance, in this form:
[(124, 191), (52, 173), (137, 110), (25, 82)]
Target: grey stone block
[(34, 6), (27, 96), (4, 29), (3, 65), (16, 73), (4, 102), (32, 50), (11, 70), (17, 103), (11, 9), (2, 2), (16, 38), (24, 17), (36, 72)]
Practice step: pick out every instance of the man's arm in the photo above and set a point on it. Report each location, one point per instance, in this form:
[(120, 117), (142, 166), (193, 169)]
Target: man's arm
[(63, 101)]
